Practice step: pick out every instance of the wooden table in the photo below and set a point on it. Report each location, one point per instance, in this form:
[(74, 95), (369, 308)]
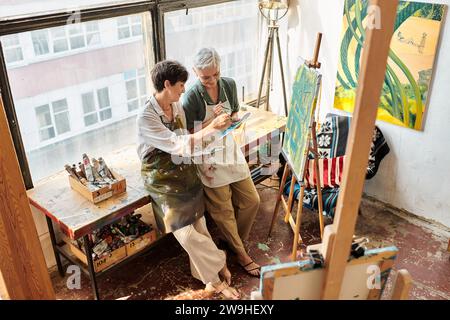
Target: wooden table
[(77, 217)]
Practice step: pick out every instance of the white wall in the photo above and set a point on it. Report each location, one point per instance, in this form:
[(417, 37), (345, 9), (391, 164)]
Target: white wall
[(415, 175)]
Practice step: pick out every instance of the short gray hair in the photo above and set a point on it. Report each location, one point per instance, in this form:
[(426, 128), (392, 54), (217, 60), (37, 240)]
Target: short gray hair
[(205, 58)]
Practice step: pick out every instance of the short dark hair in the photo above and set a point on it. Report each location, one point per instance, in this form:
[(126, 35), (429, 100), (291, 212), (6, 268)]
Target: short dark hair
[(168, 70)]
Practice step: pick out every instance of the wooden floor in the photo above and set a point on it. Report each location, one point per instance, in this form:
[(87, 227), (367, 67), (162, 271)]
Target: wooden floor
[(163, 272)]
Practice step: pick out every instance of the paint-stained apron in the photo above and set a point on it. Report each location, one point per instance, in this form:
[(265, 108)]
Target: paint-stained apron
[(175, 189)]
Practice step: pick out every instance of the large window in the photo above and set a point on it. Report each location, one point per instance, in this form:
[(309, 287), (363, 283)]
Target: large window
[(77, 86), (231, 28), (72, 79)]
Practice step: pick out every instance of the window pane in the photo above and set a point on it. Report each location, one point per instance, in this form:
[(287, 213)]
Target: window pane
[(84, 79), (77, 42), (92, 26), (92, 39), (59, 106), (142, 86), (103, 98), (90, 119), (40, 42), (13, 55), (124, 33), (60, 45), (121, 21), (45, 134), (62, 122), (130, 74), (131, 89), (75, 29), (43, 115), (88, 102), (105, 114), (133, 105), (136, 29), (58, 32), (10, 40), (228, 27)]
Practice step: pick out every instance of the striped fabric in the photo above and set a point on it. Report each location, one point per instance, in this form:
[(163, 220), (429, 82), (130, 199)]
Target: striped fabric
[(331, 170)]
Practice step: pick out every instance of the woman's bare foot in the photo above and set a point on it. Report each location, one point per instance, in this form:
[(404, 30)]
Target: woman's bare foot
[(226, 274), (224, 289)]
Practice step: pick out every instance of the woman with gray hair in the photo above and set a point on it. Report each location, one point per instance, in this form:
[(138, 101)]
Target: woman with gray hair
[(231, 197)]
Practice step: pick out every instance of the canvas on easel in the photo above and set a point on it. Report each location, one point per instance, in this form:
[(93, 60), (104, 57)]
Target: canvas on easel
[(365, 278), (301, 117), (300, 141)]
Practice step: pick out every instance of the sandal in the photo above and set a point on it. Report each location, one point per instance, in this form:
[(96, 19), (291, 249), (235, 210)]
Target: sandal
[(252, 269), (224, 289)]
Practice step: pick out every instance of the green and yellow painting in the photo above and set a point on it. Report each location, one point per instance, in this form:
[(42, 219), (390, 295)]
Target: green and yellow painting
[(411, 59), (303, 103)]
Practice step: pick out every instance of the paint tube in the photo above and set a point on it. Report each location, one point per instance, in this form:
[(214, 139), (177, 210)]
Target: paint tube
[(95, 167), (100, 248), (82, 172), (71, 172), (100, 166), (88, 168), (106, 169)]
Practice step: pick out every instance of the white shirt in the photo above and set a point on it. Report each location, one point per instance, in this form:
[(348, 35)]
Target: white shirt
[(152, 133)]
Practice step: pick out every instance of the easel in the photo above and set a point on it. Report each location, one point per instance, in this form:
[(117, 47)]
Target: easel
[(287, 206)]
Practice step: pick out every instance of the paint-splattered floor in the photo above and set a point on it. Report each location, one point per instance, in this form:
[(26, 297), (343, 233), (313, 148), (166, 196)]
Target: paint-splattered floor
[(163, 272)]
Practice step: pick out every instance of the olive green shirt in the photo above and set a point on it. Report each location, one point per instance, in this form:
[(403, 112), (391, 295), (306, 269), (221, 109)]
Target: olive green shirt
[(195, 98)]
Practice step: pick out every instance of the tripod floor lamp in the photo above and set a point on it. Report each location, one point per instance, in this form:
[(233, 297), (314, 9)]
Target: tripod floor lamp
[(273, 11)]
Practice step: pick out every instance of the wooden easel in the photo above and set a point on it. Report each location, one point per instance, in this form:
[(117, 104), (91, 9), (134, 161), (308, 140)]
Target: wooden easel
[(287, 206)]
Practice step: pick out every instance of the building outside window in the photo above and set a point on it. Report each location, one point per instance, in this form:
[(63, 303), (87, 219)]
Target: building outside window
[(136, 86)]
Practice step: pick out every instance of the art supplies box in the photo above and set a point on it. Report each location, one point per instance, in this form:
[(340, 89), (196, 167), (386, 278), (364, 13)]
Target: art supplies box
[(140, 243), (117, 255), (104, 262), (102, 193)]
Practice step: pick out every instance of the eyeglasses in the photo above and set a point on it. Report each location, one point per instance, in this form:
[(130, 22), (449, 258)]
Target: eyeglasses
[(208, 78)]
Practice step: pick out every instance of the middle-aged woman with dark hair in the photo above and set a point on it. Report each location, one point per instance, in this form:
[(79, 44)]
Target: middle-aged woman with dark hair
[(175, 189)]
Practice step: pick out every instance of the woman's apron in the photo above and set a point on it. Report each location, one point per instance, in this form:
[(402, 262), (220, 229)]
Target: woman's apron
[(227, 165), (175, 189)]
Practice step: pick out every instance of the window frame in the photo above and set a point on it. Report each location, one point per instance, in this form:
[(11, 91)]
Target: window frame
[(156, 9)]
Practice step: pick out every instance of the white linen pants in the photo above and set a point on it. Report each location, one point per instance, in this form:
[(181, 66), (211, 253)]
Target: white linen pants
[(205, 258)]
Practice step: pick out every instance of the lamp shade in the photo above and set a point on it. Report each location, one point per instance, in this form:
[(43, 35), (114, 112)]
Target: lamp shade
[(273, 10)]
